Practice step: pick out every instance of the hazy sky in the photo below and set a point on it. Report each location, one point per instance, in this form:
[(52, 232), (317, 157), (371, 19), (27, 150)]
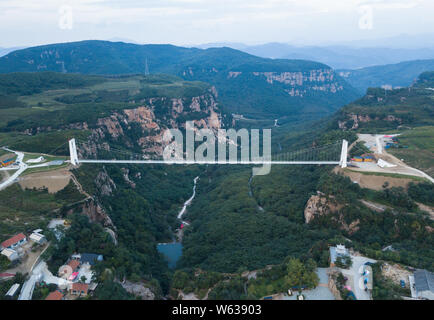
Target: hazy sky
[(184, 22)]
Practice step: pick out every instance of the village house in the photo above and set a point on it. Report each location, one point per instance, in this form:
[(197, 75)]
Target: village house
[(55, 296), (13, 290), (90, 258), (11, 254), (79, 289), (38, 238), (14, 242), (335, 252)]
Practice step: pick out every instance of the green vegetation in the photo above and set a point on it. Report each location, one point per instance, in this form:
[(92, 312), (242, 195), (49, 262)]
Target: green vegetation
[(46, 110), (22, 84), (246, 93), (42, 290), (386, 289), (398, 75), (422, 192), (54, 143), (292, 274), (234, 233), (4, 263), (420, 151), (408, 233), (382, 110), (196, 281), (344, 262), (340, 281), (143, 215), (6, 285), (392, 175), (110, 290), (27, 210)]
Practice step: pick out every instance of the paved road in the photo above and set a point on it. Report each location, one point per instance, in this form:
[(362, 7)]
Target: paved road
[(379, 144), (40, 273), (21, 168), (377, 147), (356, 274)]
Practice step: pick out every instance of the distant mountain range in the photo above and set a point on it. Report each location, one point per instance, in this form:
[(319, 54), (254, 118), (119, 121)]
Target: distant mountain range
[(395, 75), (338, 56), (249, 85)]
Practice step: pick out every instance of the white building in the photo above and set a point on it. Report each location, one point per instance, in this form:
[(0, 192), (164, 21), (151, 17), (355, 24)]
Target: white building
[(13, 290), (14, 242), (11, 254), (423, 285), (38, 238)]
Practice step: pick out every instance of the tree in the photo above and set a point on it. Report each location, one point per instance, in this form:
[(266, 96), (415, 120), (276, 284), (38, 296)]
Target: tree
[(301, 275), (344, 262)]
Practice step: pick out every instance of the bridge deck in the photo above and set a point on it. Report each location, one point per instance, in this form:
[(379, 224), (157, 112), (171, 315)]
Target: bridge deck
[(259, 162)]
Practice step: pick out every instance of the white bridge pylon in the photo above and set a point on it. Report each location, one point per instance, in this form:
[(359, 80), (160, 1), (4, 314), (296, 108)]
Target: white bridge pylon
[(75, 161), (73, 152)]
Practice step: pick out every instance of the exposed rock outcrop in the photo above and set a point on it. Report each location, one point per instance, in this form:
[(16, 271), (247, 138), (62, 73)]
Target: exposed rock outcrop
[(104, 183), (353, 121), (138, 289), (96, 213), (319, 205)]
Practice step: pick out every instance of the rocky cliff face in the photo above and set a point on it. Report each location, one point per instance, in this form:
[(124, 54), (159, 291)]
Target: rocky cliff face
[(143, 127), (96, 213), (319, 205), (138, 289), (298, 84), (353, 121)]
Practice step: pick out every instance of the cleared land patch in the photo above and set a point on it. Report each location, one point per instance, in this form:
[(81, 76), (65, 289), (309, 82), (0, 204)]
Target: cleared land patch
[(376, 180), (54, 180)]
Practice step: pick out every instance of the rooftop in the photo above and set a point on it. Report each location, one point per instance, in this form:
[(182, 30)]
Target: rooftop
[(424, 280), (8, 252), (80, 287), (74, 264), (337, 251), (55, 295), (90, 258), (13, 240)]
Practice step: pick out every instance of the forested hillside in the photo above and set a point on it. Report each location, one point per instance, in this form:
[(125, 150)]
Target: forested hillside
[(248, 85), (402, 74)]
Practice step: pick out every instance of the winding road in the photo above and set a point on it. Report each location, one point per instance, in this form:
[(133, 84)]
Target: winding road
[(188, 202), (21, 168)]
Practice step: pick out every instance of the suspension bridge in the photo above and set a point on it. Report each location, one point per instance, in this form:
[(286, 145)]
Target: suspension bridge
[(331, 154)]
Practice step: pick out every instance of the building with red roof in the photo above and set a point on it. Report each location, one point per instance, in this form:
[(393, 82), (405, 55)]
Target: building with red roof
[(14, 242), (55, 295), (74, 264), (79, 289)]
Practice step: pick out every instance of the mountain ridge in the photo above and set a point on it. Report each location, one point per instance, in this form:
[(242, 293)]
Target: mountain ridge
[(247, 84)]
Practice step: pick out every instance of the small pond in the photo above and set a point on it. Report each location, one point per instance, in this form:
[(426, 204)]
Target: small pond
[(171, 251)]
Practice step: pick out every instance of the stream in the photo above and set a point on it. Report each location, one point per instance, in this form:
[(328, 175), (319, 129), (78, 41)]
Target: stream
[(173, 250), (251, 194)]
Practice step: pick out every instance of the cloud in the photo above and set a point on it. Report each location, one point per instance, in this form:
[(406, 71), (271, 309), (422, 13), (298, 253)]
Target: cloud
[(193, 20)]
